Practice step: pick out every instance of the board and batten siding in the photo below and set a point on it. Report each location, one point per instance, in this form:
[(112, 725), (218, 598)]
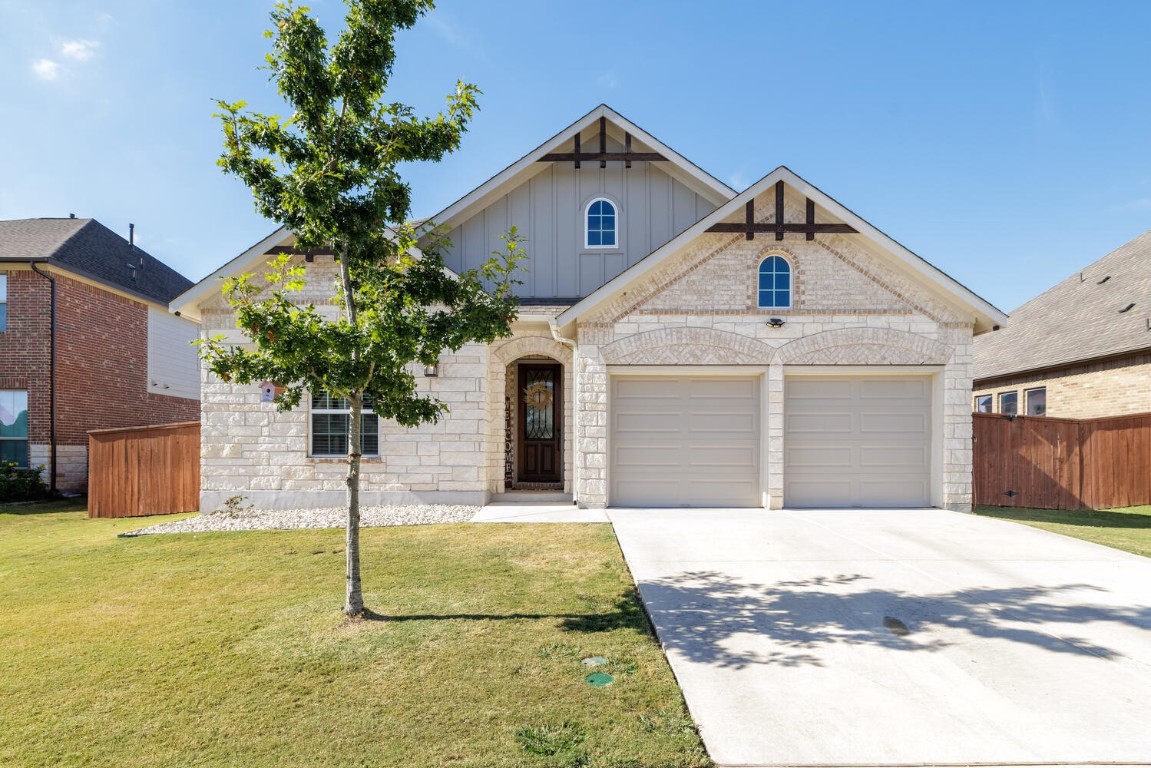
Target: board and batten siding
[(548, 210), (173, 362)]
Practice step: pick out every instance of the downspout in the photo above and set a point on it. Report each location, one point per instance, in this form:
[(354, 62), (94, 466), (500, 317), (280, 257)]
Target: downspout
[(51, 377), (575, 405)]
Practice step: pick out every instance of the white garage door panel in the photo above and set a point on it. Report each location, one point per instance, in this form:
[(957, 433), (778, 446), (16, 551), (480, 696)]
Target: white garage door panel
[(857, 442), (822, 457), (800, 424), (879, 422), (909, 493), (905, 457), (690, 441)]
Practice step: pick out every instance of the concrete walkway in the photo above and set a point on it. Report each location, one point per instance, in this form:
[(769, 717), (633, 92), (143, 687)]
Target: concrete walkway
[(897, 638), (534, 512)]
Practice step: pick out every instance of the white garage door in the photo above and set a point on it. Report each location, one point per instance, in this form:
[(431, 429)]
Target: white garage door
[(857, 442), (684, 441)]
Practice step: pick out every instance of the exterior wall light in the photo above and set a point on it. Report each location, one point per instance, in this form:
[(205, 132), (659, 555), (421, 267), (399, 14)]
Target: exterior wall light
[(433, 370), (776, 322)]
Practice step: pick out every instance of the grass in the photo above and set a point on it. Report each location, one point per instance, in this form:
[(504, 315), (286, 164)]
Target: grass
[(229, 649), (1128, 529)]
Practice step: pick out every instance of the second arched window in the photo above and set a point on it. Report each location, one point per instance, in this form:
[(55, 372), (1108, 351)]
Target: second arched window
[(774, 283)]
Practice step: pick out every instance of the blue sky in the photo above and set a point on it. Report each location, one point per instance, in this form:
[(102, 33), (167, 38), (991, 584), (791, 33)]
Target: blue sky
[(1006, 142)]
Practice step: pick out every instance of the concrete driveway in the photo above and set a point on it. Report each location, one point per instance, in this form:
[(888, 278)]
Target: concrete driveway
[(896, 637)]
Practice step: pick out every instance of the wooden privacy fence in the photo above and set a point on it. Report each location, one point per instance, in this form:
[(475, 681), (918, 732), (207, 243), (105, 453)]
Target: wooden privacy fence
[(144, 470), (1049, 463)]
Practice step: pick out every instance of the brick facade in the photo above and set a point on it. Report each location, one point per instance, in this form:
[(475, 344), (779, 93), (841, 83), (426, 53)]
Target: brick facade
[(848, 309), (1090, 390), (101, 367)]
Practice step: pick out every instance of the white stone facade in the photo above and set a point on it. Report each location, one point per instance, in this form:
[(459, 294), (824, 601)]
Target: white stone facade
[(853, 309)]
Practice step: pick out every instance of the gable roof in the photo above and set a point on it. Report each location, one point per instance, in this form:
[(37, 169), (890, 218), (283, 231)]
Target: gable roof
[(984, 314), (677, 166), (89, 249), (1078, 319), (187, 304)]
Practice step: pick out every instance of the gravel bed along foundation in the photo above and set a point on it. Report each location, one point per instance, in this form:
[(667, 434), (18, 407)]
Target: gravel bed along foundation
[(327, 517)]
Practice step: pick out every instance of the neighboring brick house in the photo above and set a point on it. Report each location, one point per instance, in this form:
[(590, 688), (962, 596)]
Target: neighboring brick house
[(678, 344), (1079, 350), (82, 307)]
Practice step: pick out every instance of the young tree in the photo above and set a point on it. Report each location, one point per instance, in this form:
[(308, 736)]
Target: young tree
[(328, 173)]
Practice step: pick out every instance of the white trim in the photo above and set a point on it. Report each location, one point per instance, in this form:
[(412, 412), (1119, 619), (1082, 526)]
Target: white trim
[(790, 275), (687, 370), (862, 370), (615, 228), (984, 315)]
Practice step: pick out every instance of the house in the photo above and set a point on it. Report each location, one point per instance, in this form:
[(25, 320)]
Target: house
[(1081, 349), (86, 342), (678, 344)]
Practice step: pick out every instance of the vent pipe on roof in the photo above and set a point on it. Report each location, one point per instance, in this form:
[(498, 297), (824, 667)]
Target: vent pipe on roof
[(132, 234), (71, 215)]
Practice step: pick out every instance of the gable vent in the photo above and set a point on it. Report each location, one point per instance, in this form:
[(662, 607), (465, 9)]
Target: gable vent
[(1127, 308)]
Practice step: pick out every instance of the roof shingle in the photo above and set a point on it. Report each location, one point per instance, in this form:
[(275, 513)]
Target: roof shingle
[(1081, 318), (87, 247)]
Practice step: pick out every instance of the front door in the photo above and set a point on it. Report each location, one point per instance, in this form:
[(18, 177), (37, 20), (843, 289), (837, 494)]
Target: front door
[(539, 394)]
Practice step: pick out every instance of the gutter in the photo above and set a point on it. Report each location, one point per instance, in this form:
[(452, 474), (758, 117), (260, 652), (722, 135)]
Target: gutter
[(999, 379), (575, 403), (51, 376)]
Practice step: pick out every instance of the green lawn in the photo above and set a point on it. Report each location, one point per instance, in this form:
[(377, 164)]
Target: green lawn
[(1127, 529), (229, 649)]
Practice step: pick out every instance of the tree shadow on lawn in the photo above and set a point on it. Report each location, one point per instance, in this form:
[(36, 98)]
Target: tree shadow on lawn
[(626, 613), (1085, 517), (714, 619)]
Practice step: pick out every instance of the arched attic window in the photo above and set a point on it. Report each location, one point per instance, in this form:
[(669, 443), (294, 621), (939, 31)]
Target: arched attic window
[(774, 283), (601, 224)]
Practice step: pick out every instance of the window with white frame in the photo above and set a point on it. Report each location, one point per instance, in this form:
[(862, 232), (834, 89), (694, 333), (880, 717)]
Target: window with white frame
[(14, 426), (1009, 403), (983, 404), (3, 302), (774, 283), (1036, 401), (330, 419), (602, 224)]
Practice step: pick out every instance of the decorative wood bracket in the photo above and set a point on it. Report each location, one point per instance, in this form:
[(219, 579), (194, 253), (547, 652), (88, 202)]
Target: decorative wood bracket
[(309, 254), (603, 156), (750, 227)]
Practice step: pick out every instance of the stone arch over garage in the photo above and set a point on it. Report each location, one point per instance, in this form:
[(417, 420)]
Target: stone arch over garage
[(502, 366), (864, 346), (686, 346)]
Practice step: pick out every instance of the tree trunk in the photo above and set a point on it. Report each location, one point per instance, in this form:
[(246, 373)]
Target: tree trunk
[(354, 601)]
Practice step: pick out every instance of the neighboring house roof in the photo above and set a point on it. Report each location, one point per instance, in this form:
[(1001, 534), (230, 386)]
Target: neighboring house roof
[(1085, 317), (89, 249), (677, 166), (984, 315)]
